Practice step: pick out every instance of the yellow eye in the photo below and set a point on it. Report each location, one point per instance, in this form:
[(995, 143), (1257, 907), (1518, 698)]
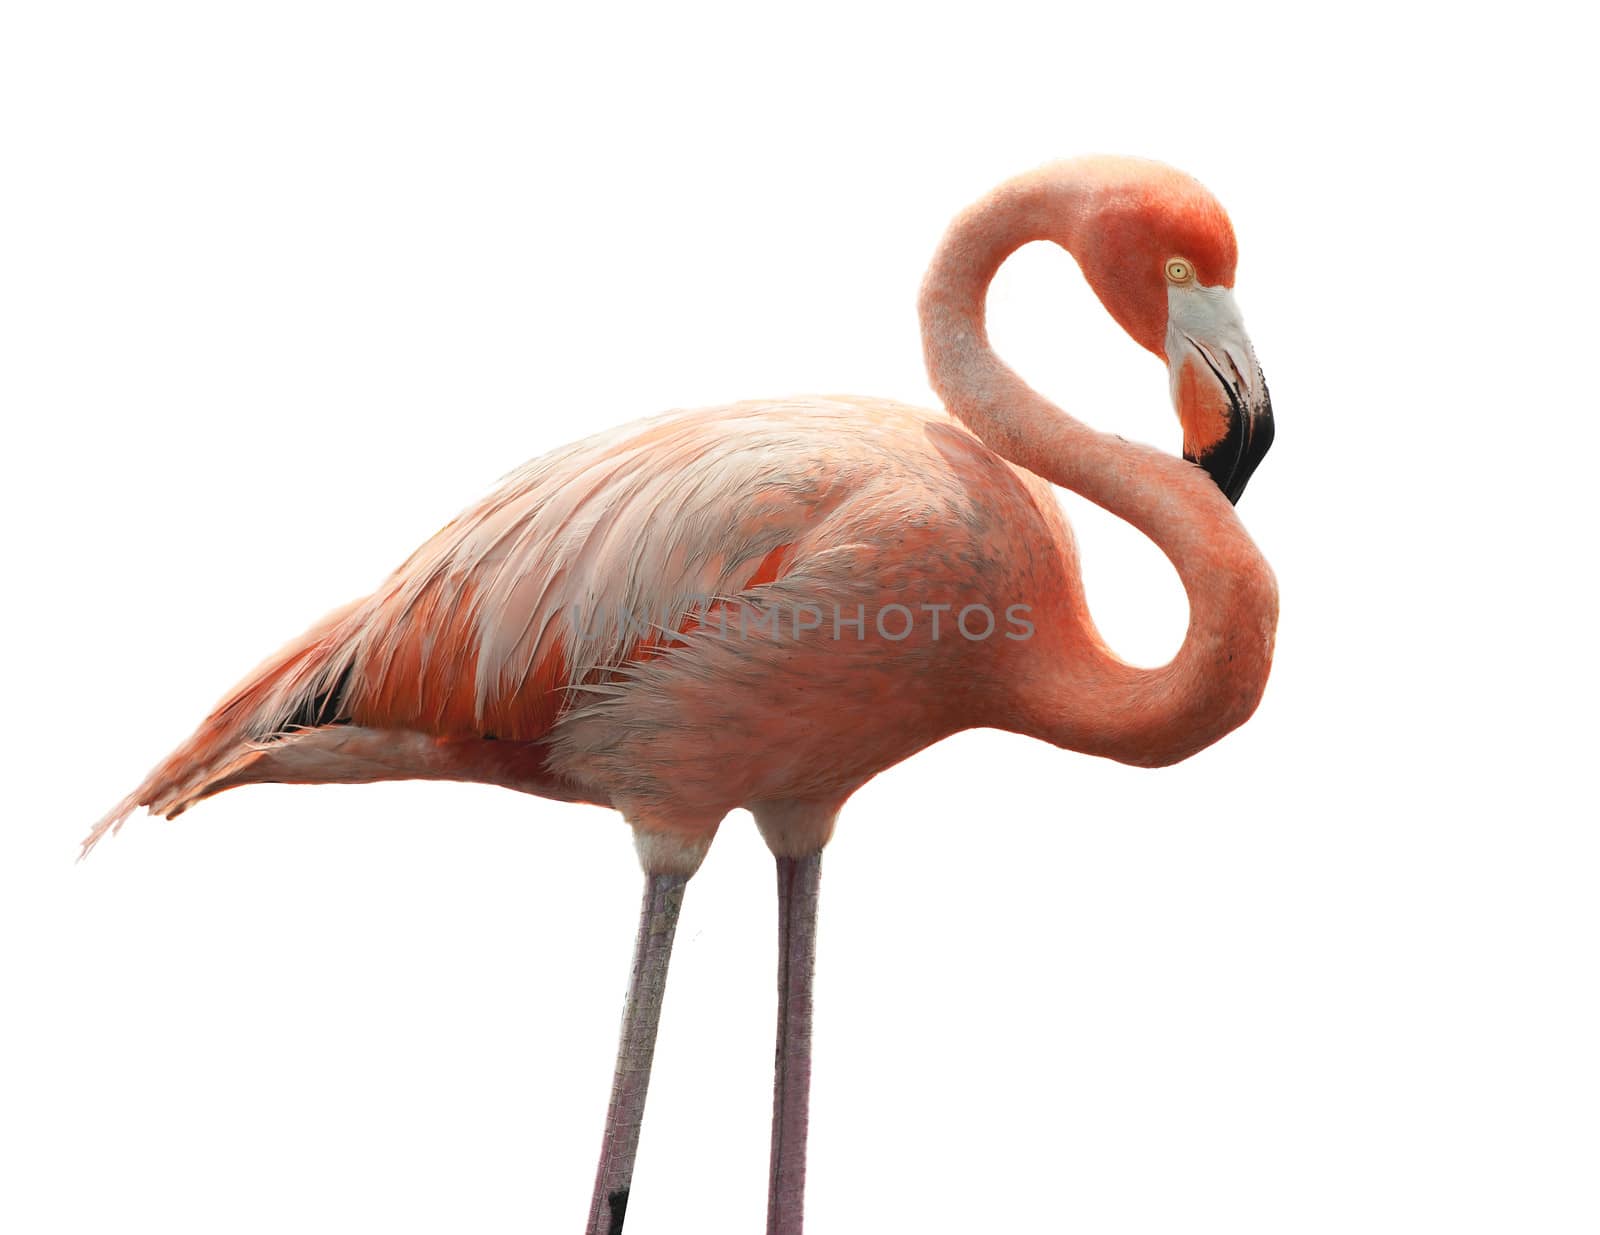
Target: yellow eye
[(1179, 271)]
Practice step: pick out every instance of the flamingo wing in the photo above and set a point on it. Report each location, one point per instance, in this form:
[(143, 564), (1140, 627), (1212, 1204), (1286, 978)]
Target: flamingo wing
[(579, 563)]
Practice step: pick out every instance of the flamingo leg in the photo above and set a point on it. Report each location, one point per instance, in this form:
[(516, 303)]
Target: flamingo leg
[(798, 879), (658, 922)]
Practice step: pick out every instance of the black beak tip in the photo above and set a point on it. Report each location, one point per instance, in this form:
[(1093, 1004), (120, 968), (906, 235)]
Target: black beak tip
[(1233, 460)]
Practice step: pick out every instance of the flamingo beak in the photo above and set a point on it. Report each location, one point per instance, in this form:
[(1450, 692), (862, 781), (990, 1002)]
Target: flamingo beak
[(1217, 386)]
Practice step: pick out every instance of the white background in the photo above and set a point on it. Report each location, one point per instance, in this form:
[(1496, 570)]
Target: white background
[(285, 286)]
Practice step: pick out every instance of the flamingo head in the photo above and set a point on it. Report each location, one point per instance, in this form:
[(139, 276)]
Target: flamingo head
[(1159, 251)]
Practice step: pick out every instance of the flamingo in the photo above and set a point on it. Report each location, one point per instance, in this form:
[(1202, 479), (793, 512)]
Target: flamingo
[(764, 605)]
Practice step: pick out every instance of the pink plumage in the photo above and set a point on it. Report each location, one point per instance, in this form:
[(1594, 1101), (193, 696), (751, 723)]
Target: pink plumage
[(764, 605)]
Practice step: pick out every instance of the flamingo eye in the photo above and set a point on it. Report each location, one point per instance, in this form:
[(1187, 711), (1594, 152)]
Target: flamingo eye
[(1179, 271)]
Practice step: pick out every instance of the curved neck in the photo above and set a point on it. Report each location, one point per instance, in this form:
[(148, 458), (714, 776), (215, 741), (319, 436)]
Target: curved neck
[(1089, 700)]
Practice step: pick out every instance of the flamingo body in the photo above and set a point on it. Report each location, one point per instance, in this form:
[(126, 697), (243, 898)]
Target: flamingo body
[(624, 620)]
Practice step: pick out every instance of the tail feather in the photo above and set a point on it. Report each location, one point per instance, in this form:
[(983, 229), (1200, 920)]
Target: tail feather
[(300, 687)]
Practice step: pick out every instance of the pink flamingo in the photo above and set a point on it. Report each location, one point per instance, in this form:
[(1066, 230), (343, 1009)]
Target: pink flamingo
[(764, 605)]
